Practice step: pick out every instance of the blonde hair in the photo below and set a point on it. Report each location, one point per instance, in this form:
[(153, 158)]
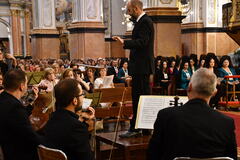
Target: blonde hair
[(48, 71)]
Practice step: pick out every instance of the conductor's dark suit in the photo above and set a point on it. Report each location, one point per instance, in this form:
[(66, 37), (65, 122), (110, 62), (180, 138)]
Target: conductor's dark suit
[(141, 63), (17, 138), (193, 130)]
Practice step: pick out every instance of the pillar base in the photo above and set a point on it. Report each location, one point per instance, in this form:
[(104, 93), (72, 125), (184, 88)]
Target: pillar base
[(45, 44), (201, 40), (167, 25), (87, 40)]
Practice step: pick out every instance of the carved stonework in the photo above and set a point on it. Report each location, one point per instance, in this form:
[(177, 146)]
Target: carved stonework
[(92, 9), (47, 13), (211, 11), (166, 1)]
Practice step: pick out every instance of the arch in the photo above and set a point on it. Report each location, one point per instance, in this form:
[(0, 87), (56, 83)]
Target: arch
[(5, 23)]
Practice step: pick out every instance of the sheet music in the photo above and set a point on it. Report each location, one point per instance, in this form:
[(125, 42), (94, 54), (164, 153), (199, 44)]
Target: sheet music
[(107, 81), (86, 103), (149, 106)]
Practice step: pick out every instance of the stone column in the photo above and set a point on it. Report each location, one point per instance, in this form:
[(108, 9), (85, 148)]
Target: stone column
[(167, 24), (27, 31), (45, 37), (202, 28), (87, 30), (16, 29)]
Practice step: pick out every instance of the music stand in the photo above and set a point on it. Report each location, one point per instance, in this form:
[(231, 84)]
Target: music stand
[(96, 96), (35, 77)]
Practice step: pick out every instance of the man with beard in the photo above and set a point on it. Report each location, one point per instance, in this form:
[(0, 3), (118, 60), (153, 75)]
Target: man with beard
[(141, 64), (67, 130)]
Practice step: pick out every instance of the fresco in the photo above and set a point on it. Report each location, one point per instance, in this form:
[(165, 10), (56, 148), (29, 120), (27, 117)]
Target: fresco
[(63, 10)]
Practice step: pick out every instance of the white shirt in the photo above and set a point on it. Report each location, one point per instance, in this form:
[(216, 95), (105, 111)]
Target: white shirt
[(139, 17)]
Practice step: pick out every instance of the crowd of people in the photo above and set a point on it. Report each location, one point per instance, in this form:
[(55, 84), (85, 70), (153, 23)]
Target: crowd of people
[(192, 130), (170, 72)]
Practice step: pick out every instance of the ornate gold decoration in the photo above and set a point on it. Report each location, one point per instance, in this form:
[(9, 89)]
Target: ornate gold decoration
[(15, 12)]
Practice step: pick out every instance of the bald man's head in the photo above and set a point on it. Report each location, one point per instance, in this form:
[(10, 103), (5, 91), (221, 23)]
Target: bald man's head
[(135, 8)]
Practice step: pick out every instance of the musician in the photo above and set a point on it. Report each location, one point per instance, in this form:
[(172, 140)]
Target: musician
[(17, 138), (194, 130), (67, 130)]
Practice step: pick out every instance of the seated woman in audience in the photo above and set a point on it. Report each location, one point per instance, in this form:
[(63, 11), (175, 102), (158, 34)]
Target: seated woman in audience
[(56, 70), (123, 74), (173, 73), (98, 83), (228, 70), (68, 73), (164, 77), (202, 61), (185, 75), (89, 78), (193, 63), (211, 64), (78, 75), (49, 80)]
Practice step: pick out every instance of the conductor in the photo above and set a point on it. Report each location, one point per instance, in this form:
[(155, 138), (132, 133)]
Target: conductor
[(141, 64)]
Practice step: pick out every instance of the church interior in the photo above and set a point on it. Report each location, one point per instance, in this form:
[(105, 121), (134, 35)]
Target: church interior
[(74, 37)]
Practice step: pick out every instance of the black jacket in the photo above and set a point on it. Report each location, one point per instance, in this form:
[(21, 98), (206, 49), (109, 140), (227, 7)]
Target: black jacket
[(65, 132), (17, 138), (141, 46), (193, 130)]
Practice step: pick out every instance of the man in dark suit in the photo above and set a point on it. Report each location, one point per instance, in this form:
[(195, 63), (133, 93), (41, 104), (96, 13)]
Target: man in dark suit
[(67, 130), (141, 64), (194, 130), (17, 138), (113, 70)]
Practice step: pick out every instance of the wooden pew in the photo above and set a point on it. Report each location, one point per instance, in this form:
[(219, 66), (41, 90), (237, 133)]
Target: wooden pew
[(111, 95)]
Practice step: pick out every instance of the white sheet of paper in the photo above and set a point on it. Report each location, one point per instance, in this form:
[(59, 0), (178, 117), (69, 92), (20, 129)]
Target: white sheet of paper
[(107, 81), (148, 108), (86, 103)]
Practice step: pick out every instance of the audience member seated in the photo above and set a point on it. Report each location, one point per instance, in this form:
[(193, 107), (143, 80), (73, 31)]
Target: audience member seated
[(78, 75), (228, 70), (3, 64), (49, 80), (113, 70), (163, 77), (123, 75), (68, 73), (193, 63), (98, 83), (185, 75), (211, 65), (202, 61), (194, 130), (89, 78), (17, 138), (67, 130)]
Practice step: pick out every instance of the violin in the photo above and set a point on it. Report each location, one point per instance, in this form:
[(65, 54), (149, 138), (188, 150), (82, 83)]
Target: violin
[(42, 108), (175, 103)]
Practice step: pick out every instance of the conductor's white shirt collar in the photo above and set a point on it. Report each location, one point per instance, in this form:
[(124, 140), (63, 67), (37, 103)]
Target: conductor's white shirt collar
[(139, 17)]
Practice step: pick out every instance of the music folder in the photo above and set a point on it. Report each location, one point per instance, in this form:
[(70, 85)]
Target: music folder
[(149, 106)]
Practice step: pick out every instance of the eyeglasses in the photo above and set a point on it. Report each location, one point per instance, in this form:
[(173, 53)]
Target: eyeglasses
[(83, 94)]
